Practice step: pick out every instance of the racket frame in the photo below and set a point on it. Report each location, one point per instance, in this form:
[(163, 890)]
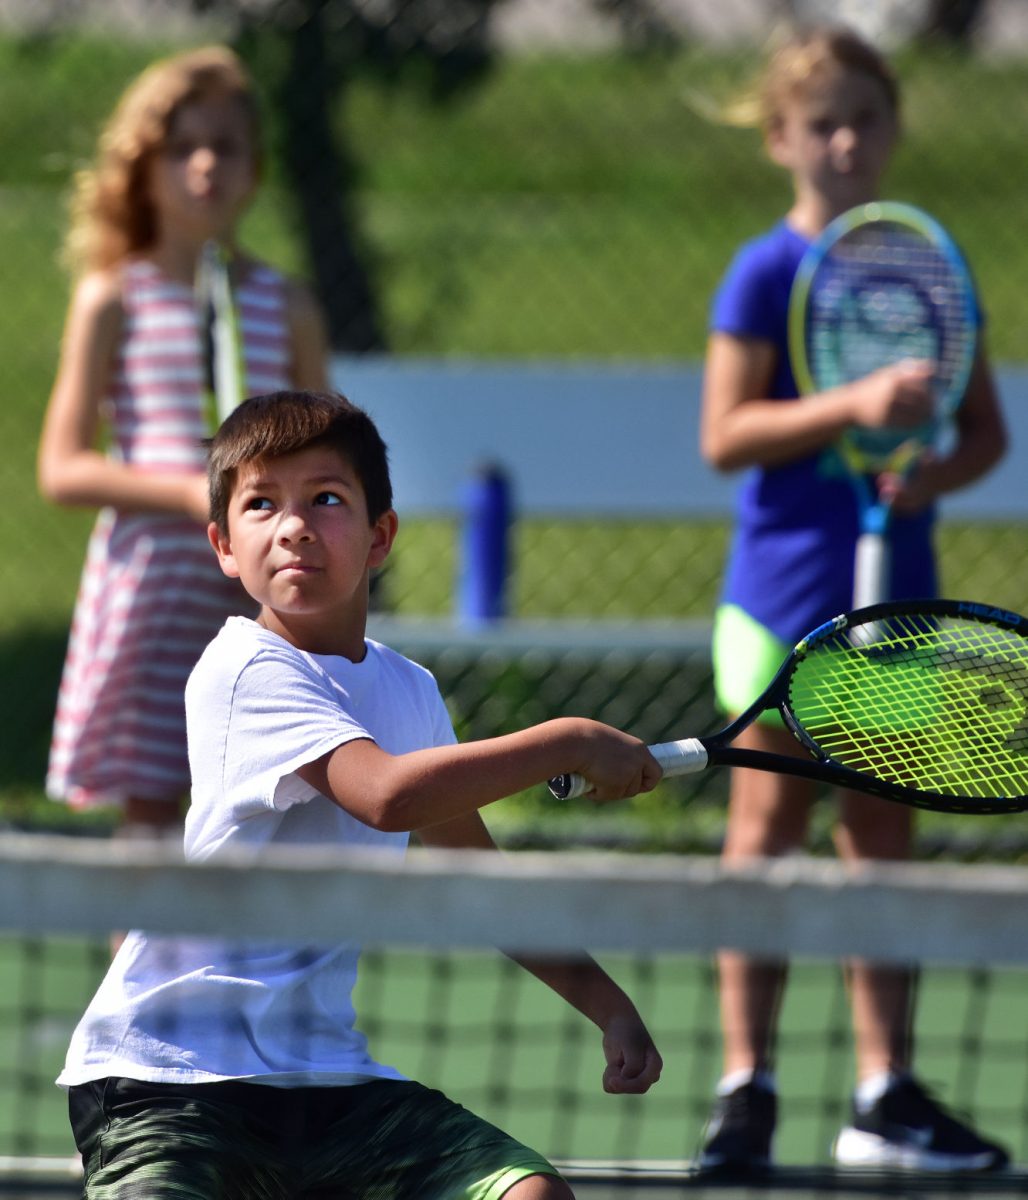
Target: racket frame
[(692, 755), (872, 565)]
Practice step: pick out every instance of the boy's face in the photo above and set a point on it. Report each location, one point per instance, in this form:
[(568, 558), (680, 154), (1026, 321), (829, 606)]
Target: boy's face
[(837, 137), (300, 540)]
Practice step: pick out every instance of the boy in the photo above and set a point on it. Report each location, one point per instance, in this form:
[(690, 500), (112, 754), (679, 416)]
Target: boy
[(302, 731)]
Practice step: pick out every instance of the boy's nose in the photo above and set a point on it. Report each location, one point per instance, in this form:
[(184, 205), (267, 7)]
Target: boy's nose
[(293, 527)]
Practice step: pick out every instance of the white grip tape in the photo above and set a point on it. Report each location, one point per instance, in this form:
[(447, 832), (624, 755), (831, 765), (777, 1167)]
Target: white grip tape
[(680, 758), (871, 570), (676, 758)]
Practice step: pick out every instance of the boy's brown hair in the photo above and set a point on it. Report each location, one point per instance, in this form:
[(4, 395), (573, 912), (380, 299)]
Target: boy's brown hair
[(269, 426)]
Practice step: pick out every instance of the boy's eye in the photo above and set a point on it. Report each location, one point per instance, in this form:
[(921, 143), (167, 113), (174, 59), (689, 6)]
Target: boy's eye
[(327, 498), (258, 504)]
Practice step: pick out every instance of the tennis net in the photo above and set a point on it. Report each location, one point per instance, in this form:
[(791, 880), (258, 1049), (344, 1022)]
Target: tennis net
[(444, 1007)]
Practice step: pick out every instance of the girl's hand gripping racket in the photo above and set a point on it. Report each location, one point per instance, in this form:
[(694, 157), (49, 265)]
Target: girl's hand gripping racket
[(220, 340), (932, 711), (884, 283)]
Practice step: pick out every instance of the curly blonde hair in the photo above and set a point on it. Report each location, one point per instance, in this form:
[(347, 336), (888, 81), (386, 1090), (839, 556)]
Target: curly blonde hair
[(811, 55), (112, 216), (801, 58)]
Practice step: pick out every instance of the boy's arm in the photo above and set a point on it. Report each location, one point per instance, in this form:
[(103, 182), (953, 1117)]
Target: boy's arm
[(428, 787), (633, 1061)]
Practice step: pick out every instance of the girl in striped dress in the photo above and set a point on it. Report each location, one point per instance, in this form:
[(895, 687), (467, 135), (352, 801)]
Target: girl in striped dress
[(177, 165)]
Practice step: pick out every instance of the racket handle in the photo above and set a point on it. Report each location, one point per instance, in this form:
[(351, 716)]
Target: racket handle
[(871, 570), (676, 758)]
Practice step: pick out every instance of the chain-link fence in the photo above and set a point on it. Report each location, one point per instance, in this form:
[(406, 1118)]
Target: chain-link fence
[(491, 179)]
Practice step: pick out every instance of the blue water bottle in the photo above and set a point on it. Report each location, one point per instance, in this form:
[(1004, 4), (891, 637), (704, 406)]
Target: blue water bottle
[(485, 545)]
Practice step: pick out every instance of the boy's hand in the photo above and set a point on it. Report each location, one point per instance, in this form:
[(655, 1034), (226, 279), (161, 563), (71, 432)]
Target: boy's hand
[(633, 1061), (616, 764)]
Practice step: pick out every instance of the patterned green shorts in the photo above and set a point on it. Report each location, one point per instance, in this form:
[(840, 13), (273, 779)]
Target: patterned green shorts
[(386, 1140)]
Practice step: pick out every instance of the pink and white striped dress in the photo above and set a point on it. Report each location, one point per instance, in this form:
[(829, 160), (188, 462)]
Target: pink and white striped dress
[(152, 594)]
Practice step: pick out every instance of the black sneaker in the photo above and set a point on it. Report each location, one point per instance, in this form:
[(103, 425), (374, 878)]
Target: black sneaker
[(908, 1130), (739, 1132)]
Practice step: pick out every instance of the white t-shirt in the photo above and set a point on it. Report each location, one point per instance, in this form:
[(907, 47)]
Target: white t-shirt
[(192, 1010)]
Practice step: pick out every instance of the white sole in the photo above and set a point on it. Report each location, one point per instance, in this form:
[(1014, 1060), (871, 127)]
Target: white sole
[(855, 1148)]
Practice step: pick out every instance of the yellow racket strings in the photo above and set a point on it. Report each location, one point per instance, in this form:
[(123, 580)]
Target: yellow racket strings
[(934, 704)]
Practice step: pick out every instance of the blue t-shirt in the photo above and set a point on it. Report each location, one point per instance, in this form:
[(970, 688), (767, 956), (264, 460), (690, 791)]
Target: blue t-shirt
[(791, 562)]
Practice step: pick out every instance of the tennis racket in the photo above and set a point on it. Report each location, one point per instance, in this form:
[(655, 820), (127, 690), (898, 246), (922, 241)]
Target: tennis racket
[(883, 283), (931, 712), (220, 341)]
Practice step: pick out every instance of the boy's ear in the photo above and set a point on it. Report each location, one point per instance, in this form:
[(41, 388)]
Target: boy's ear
[(383, 534), (223, 549)]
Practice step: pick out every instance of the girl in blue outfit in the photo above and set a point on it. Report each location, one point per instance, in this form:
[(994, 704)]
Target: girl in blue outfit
[(829, 109)]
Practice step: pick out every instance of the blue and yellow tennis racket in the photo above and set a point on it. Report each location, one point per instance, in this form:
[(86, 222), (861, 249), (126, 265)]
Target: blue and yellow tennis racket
[(930, 711), (884, 283)]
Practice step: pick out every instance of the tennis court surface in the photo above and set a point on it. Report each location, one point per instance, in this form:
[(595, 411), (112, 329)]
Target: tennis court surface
[(438, 1002)]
